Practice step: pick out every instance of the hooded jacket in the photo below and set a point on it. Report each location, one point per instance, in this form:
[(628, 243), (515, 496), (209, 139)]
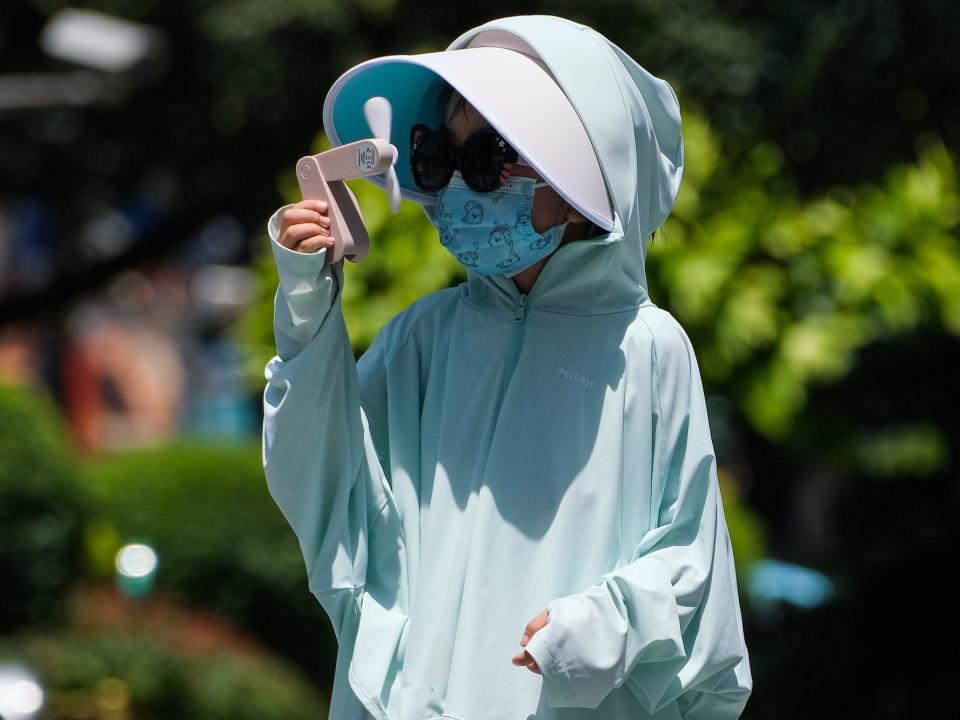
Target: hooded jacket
[(495, 453)]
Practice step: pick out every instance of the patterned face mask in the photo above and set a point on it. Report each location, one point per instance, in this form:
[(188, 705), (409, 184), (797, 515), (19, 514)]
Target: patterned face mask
[(491, 233)]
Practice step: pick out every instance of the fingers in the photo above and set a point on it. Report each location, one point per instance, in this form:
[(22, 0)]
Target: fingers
[(313, 204), (306, 210), (525, 659), (534, 625), (305, 230), (306, 237), (314, 244), (295, 216), (305, 227)]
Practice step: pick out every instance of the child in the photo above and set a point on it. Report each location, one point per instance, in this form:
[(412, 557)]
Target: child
[(509, 506)]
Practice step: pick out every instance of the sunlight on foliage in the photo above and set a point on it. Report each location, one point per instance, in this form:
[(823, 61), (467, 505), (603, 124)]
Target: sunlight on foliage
[(793, 289), (912, 450)]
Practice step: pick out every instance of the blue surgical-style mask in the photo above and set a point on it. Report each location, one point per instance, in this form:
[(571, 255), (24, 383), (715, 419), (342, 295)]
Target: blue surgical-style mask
[(491, 233)]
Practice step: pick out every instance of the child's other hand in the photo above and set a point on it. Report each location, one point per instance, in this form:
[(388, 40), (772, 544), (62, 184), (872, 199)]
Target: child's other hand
[(305, 227), (523, 658)]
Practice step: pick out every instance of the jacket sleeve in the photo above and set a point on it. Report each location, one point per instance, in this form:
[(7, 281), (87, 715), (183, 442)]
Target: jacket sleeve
[(318, 456), (668, 623)]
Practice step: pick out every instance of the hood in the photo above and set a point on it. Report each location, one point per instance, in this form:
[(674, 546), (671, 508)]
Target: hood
[(632, 120)]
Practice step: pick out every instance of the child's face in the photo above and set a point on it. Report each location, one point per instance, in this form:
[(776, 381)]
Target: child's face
[(548, 206)]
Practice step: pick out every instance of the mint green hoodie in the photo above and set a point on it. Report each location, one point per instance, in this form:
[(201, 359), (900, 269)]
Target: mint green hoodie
[(494, 454)]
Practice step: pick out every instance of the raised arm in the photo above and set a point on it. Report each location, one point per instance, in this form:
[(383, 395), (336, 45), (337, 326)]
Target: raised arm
[(318, 456)]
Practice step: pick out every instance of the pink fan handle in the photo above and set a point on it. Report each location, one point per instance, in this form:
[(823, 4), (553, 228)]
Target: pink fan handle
[(321, 177)]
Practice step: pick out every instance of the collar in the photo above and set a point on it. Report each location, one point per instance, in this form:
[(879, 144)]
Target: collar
[(582, 277)]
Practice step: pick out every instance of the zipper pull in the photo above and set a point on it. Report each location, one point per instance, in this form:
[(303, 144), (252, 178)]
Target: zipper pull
[(520, 313)]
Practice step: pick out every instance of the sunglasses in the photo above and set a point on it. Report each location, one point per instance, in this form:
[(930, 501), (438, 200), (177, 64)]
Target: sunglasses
[(480, 159)]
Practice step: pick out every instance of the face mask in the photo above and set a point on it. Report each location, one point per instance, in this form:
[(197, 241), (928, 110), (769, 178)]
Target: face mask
[(491, 233)]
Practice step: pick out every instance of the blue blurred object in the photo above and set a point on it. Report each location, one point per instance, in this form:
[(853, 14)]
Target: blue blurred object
[(30, 239), (771, 581), (217, 403)]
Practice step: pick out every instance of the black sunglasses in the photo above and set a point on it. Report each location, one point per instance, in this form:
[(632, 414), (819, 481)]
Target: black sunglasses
[(479, 159)]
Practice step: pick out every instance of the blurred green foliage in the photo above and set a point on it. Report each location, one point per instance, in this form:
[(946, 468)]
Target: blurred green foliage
[(779, 293), (905, 450), (203, 506), (164, 682), (40, 510), (222, 543)]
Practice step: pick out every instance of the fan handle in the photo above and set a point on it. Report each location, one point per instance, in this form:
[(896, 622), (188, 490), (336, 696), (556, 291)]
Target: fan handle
[(321, 177)]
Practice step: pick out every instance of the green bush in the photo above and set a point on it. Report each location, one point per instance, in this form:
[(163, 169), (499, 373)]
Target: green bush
[(221, 541), (164, 682), (40, 510)]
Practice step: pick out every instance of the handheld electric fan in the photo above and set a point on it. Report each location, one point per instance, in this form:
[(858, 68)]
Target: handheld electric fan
[(322, 176)]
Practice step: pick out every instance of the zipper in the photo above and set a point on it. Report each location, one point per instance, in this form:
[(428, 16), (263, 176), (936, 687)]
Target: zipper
[(516, 344), (517, 334), (520, 313)]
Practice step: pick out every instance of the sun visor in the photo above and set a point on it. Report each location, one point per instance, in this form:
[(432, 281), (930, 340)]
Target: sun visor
[(512, 90)]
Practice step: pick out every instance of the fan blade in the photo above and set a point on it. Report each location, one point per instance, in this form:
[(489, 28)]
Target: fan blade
[(378, 112), (393, 190)]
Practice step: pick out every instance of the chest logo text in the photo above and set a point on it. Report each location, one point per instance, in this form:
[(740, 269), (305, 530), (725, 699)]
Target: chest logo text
[(574, 376)]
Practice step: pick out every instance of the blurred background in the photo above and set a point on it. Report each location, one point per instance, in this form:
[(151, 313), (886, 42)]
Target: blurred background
[(813, 258)]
